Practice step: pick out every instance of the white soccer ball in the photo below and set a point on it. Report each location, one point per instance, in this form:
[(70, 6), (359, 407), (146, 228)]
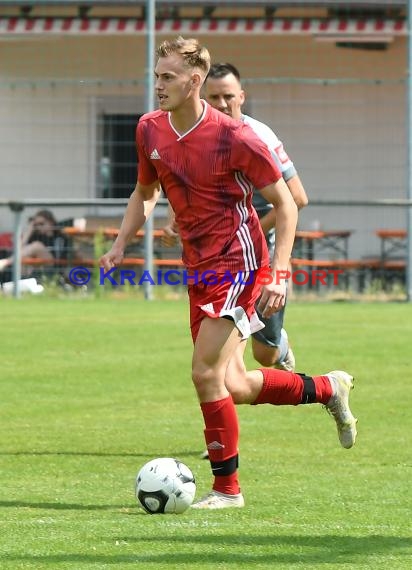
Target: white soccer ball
[(165, 485)]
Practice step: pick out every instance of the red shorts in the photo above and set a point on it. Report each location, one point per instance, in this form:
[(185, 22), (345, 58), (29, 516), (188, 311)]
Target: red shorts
[(226, 299)]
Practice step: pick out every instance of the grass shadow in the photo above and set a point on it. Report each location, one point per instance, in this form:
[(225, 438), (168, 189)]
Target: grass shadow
[(242, 551)]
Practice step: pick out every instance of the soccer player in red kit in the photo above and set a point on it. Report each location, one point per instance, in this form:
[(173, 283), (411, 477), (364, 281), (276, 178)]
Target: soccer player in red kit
[(207, 164)]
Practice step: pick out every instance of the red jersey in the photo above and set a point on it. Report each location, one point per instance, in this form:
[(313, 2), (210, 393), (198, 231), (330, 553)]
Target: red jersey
[(208, 175)]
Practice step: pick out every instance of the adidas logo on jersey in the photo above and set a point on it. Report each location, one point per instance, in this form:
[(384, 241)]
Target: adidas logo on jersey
[(208, 308), (155, 155)]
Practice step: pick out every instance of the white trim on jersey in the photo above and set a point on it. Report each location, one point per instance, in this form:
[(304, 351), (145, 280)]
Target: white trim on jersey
[(235, 291), (200, 120), (243, 232), (232, 296), (245, 325), (246, 242), (274, 144)]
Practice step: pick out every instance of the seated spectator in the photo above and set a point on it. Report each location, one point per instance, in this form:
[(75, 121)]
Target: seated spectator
[(43, 239), (6, 248)]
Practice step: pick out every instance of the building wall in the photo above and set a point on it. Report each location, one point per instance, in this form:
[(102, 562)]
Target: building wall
[(341, 113)]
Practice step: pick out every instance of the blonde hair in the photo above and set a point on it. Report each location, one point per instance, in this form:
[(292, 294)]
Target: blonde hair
[(194, 55)]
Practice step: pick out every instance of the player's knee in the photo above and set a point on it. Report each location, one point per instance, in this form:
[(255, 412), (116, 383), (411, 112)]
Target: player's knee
[(209, 383), (266, 361), (238, 395), (266, 357), (202, 375), (239, 387)]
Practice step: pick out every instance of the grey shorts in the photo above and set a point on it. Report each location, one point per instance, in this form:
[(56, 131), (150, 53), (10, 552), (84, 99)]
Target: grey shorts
[(270, 335)]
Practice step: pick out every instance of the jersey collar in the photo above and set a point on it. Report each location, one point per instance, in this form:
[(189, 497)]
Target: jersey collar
[(198, 122)]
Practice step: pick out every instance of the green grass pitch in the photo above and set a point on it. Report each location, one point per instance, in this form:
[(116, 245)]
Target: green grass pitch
[(92, 389)]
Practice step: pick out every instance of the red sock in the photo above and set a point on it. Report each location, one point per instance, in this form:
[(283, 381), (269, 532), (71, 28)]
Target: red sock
[(323, 388), (282, 388), (222, 436)]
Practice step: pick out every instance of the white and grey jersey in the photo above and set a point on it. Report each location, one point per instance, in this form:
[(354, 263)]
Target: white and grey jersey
[(281, 159)]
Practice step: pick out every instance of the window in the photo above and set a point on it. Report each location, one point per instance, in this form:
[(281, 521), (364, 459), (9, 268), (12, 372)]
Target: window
[(118, 158)]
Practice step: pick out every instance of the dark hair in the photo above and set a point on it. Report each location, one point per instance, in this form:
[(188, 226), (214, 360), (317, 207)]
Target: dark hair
[(219, 70), (47, 215)]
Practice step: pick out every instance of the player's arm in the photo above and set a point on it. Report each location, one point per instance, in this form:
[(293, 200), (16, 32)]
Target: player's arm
[(251, 156), (289, 173), (298, 191), (285, 164), (170, 230), (286, 221), (141, 204), (268, 221), (273, 296)]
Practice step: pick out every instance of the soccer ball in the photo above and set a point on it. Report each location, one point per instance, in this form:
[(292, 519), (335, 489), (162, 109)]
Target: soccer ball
[(165, 485)]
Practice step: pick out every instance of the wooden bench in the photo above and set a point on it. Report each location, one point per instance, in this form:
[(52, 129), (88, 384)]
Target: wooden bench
[(51, 268), (90, 262), (325, 272), (355, 274), (309, 244), (363, 270), (393, 244), (336, 263)]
